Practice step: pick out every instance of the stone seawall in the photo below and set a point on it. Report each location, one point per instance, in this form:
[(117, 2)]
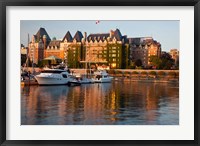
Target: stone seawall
[(132, 74)]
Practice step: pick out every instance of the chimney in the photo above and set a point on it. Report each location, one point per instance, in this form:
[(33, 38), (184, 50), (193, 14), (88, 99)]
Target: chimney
[(33, 39), (111, 33), (85, 35), (45, 41)]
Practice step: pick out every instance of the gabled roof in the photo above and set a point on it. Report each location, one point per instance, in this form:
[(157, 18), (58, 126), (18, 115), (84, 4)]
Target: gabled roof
[(135, 41), (54, 43), (118, 35), (78, 36), (143, 41), (98, 36), (41, 32), (68, 37)]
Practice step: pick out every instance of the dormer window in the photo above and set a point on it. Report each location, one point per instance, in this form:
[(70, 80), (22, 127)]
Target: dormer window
[(114, 39)]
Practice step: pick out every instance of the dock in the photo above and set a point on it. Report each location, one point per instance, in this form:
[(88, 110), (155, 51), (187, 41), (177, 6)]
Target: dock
[(28, 83)]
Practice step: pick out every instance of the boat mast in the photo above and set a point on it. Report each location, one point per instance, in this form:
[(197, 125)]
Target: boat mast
[(33, 58), (27, 62), (27, 55)]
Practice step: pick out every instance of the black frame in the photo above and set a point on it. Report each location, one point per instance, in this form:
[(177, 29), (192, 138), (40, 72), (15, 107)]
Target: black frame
[(5, 3)]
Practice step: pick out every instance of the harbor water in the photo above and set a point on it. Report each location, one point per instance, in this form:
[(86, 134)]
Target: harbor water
[(116, 103)]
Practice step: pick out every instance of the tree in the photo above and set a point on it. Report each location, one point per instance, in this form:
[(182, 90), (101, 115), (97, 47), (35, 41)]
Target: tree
[(23, 59), (155, 61), (167, 61), (138, 62), (54, 38), (163, 62)]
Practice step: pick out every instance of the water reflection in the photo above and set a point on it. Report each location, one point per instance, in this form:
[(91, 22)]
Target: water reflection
[(115, 103)]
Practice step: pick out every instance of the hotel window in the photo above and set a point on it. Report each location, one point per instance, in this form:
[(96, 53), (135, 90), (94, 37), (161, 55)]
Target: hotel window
[(113, 55)]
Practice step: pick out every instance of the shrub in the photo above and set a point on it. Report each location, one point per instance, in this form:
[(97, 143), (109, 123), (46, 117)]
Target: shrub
[(119, 72), (152, 73), (171, 74), (139, 67), (135, 72), (111, 71), (143, 72), (126, 72), (161, 73), (88, 71), (177, 74)]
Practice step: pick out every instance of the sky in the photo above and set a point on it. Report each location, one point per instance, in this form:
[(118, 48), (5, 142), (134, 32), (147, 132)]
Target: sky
[(165, 32)]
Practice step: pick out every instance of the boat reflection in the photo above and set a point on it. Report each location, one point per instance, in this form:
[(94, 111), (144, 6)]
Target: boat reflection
[(101, 104)]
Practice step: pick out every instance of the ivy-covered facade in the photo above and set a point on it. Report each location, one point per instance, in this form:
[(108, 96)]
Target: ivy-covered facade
[(111, 49)]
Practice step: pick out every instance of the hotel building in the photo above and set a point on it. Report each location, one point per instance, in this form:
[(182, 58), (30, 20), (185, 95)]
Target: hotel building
[(111, 49), (37, 46), (142, 48), (175, 55)]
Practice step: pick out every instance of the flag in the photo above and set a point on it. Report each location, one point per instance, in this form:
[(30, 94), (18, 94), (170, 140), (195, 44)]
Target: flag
[(97, 22)]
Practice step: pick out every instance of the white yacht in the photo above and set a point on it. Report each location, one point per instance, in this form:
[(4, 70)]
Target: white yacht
[(53, 77), (102, 76)]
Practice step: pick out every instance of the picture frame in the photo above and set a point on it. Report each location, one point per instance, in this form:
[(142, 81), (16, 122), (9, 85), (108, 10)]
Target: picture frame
[(3, 54)]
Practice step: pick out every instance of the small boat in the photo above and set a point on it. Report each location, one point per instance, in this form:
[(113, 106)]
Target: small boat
[(74, 82), (86, 81), (101, 76), (81, 80), (53, 77)]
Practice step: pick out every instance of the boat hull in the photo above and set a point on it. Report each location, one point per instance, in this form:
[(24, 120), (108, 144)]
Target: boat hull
[(74, 83), (87, 81), (52, 81), (103, 80)]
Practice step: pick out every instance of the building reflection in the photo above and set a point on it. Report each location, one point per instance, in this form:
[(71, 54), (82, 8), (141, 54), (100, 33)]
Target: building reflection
[(97, 104)]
